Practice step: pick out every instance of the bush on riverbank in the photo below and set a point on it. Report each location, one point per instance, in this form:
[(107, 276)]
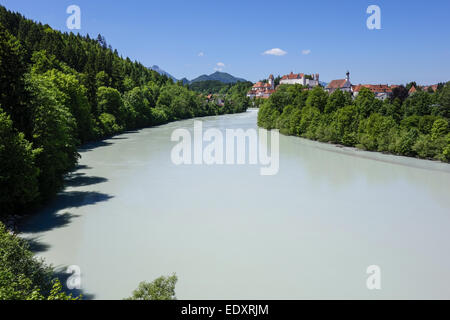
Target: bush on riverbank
[(417, 126), (22, 277), (162, 288)]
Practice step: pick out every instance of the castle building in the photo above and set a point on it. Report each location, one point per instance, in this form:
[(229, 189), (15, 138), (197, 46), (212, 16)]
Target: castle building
[(300, 78)]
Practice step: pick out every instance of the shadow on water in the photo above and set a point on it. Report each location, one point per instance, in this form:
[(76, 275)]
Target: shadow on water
[(63, 276), (104, 143), (80, 180), (35, 244), (50, 218), (82, 167), (94, 145)]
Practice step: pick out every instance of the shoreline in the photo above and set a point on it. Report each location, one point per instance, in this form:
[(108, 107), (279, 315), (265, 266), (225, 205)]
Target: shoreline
[(418, 163)]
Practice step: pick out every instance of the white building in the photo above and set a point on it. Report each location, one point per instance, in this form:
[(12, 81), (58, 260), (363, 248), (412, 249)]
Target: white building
[(301, 78), (262, 90)]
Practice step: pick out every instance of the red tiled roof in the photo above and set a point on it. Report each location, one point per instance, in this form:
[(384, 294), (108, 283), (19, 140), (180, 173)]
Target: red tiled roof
[(293, 76), (258, 85), (336, 84), (434, 87), (375, 88)]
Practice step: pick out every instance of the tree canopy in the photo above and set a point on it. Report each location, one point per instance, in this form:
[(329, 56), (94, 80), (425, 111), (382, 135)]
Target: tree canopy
[(415, 125)]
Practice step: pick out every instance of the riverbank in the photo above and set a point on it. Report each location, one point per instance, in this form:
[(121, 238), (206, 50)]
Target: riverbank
[(378, 156)]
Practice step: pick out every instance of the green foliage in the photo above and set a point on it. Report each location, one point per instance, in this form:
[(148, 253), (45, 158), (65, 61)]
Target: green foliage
[(109, 100), (18, 173), (103, 79), (162, 288), (345, 124), (418, 103), (12, 87), (211, 86), (317, 98), (443, 109), (440, 129), (54, 133), (413, 126), (108, 125), (337, 100), (377, 133), (74, 97), (22, 277), (366, 103)]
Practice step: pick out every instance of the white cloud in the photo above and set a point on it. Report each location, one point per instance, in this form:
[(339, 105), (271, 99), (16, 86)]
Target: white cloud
[(306, 52), (275, 52), (219, 66), (201, 54)]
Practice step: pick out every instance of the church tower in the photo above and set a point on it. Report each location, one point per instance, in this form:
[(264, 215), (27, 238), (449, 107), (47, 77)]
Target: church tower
[(271, 82)]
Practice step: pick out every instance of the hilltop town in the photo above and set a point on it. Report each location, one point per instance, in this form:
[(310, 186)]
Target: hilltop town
[(264, 89)]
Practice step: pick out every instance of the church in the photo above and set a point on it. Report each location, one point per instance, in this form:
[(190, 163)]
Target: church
[(342, 84)]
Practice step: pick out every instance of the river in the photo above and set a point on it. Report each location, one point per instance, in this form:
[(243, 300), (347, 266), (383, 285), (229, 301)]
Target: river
[(128, 214)]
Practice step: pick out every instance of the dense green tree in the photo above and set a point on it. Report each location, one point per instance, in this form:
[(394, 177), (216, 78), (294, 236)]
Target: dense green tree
[(12, 86), (444, 101), (18, 173), (103, 79), (54, 133), (412, 126), (108, 125), (136, 100), (22, 277), (377, 133), (367, 103), (162, 288), (74, 96), (418, 103), (109, 100), (439, 129), (317, 98), (400, 93), (337, 100)]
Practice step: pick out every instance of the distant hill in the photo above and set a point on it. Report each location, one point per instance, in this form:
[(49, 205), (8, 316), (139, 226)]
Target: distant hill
[(219, 76), (222, 77), (209, 86), (185, 81), (215, 86), (161, 71)]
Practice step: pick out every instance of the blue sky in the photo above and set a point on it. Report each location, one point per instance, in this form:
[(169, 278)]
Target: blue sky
[(413, 43)]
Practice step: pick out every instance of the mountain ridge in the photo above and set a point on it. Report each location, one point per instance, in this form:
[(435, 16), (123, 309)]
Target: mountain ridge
[(218, 76)]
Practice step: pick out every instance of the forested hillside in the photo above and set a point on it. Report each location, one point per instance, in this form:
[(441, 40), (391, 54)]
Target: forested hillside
[(59, 90), (214, 86), (415, 125)]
